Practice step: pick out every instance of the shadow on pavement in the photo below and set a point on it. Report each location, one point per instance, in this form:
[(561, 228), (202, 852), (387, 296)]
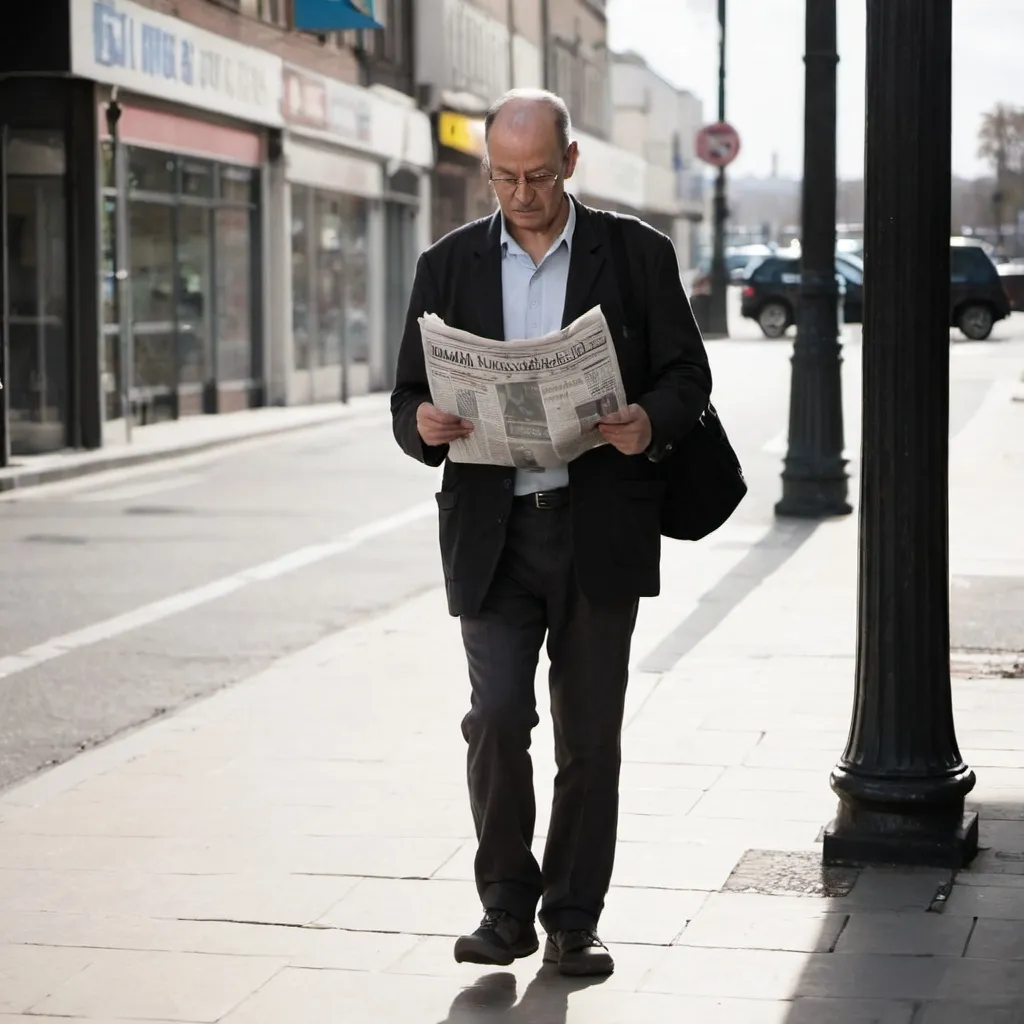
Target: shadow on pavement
[(917, 945), (770, 553), (492, 999)]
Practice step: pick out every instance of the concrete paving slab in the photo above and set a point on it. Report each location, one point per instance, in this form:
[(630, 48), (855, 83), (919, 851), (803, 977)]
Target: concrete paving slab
[(171, 986), (906, 933)]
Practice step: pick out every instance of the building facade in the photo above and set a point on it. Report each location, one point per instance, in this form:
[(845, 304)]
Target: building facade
[(203, 212), (659, 123), (487, 46)]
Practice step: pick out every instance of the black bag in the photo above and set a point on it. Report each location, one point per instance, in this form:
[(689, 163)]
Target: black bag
[(704, 479)]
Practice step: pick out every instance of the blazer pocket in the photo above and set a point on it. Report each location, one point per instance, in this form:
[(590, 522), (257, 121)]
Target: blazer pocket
[(446, 499)]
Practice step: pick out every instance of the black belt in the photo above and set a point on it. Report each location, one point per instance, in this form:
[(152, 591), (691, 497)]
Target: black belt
[(545, 499)]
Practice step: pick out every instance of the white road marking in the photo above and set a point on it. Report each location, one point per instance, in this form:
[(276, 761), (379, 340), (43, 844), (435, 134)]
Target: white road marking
[(128, 491), (146, 615)]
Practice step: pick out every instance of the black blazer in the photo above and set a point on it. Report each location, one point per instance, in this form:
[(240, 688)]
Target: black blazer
[(615, 499)]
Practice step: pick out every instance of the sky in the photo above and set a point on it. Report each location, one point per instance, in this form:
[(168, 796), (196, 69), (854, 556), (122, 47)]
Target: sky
[(764, 69)]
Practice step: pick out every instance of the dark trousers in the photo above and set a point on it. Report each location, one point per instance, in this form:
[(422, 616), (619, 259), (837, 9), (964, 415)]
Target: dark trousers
[(534, 594)]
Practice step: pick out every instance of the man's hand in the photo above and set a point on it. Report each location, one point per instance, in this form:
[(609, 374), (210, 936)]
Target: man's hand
[(438, 428), (629, 430)]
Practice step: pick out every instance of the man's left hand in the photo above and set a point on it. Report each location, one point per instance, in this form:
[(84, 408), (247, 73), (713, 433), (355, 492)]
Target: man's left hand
[(628, 430)]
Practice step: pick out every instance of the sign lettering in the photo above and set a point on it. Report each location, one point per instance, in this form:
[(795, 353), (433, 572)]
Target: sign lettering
[(139, 46)]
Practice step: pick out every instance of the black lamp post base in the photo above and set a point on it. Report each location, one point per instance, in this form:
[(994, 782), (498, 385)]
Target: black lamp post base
[(878, 837), (816, 498)]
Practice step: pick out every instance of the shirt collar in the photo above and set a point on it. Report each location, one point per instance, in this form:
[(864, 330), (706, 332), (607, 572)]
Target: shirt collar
[(510, 245)]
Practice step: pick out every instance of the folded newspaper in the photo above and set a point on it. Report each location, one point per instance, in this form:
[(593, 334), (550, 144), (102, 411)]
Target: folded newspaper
[(534, 404)]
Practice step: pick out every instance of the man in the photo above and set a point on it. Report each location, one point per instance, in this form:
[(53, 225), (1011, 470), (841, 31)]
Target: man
[(561, 553)]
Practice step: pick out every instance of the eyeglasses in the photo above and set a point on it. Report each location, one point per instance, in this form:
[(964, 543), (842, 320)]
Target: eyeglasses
[(539, 182)]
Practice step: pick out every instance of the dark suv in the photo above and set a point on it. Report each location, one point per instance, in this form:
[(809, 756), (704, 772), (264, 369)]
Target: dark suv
[(977, 298), (771, 292)]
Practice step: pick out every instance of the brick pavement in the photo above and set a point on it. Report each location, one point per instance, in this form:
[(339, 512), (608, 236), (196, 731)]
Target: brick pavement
[(298, 848)]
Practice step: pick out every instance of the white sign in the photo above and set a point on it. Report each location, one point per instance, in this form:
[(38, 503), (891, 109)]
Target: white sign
[(333, 111), (122, 43)]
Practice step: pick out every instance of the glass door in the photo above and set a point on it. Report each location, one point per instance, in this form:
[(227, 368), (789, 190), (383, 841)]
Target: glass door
[(35, 293)]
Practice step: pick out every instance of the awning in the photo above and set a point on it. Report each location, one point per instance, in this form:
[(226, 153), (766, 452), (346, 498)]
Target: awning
[(334, 15)]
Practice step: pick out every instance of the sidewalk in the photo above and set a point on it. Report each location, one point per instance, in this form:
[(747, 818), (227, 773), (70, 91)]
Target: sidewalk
[(184, 437), (299, 848)]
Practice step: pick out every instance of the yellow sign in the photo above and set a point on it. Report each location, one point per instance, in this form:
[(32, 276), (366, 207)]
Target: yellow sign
[(457, 131)]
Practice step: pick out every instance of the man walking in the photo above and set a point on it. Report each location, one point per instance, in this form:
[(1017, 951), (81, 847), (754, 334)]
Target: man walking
[(559, 554)]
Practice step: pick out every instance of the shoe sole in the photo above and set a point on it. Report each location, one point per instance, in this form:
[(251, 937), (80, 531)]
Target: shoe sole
[(469, 950)]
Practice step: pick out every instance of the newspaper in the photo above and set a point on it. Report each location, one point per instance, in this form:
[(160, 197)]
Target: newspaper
[(533, 404)]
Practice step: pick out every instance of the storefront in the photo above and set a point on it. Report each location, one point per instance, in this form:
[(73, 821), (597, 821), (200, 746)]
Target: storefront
[(182, 119), (461, 192), (348, 229)]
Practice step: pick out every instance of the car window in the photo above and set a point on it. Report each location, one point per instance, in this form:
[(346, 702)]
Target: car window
[(849, 271), (970, 265), (759, 269)]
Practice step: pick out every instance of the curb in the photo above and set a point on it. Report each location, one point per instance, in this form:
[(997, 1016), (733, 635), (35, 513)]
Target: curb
[(125, 460)]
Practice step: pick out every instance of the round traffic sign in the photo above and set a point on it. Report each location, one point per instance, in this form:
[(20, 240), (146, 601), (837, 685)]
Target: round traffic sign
[(718, 144)]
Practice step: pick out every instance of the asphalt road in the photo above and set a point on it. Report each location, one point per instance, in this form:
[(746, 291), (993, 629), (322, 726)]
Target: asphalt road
[(126, 595)]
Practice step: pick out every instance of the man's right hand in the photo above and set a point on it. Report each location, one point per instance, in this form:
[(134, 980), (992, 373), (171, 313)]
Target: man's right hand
[(437, 428)]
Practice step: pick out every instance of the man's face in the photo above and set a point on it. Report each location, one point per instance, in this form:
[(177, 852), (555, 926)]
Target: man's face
[(523, 147)]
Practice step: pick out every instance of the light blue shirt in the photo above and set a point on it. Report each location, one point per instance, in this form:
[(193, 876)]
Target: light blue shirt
[(533, 301)]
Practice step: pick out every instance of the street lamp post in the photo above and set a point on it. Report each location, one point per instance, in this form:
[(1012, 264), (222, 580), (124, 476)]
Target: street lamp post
[(901, 780), (814, 478), (718, 319), (120, 273)]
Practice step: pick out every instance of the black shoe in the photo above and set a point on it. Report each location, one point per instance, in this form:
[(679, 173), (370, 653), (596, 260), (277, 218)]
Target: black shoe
[(579, 953), (500, 939)]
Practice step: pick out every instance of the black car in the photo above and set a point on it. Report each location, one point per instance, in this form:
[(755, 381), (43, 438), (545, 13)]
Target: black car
[(771, 291), (977, 298)]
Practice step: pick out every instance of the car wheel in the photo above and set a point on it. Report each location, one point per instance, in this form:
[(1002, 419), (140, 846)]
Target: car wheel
[(975, 321), (773, 319)]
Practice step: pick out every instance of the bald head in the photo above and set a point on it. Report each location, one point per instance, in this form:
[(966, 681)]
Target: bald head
[(520, 110), (530, 156)]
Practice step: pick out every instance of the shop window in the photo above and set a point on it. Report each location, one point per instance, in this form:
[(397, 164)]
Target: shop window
[(150, 171), (197, 178), (152, 271), (191, 251), (237, 184), (234, 298), (273, 11), (301, 277), (193, 294), (330, 279)]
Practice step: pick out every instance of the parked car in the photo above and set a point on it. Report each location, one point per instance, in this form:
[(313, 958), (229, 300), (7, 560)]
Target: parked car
[(978, 299), (771, 292)]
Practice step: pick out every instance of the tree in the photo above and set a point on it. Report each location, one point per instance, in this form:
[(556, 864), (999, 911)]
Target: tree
[(1001, 143)]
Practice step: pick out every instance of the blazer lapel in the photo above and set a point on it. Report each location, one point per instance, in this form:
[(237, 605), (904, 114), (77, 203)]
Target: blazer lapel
[(585, 265), (486, 283)]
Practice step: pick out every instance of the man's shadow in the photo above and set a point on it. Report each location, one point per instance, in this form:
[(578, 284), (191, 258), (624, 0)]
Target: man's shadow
[(492, 999)]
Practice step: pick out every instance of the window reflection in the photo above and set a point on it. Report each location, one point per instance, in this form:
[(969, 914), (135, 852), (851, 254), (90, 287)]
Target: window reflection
[(301, 327), (190, 260), (151, 226), (193, 282), (234, 312)]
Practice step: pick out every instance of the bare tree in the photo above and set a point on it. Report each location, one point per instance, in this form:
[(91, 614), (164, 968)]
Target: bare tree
[(1001, 143)]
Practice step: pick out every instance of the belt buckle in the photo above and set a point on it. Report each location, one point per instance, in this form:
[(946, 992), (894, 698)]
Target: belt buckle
[(544, 499)]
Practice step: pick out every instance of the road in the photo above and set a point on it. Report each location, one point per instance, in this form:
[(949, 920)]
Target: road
[(130, 593)]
